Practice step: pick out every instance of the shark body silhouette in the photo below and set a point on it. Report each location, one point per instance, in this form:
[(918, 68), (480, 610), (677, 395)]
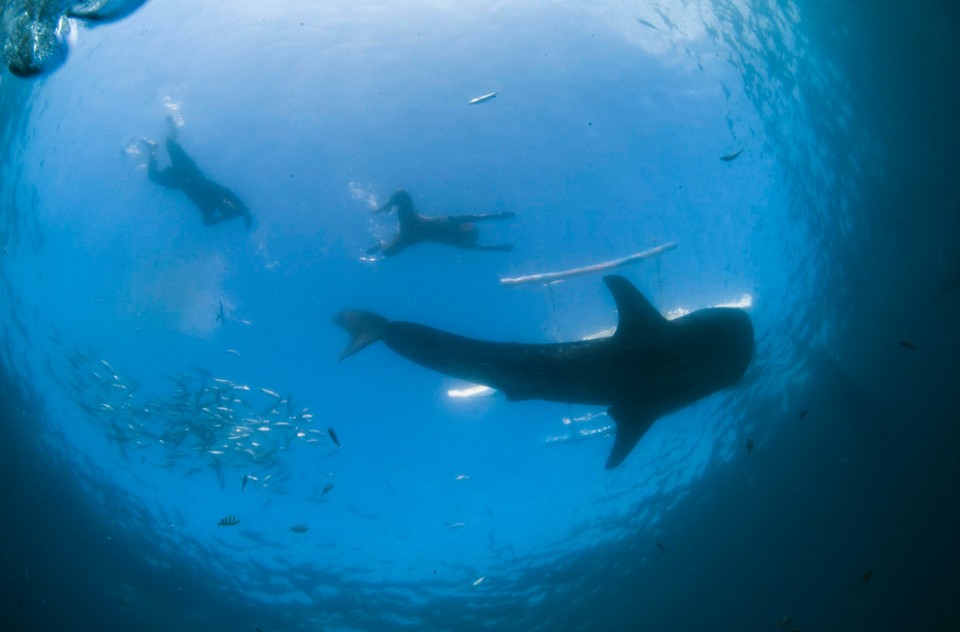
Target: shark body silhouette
[(648, 368)]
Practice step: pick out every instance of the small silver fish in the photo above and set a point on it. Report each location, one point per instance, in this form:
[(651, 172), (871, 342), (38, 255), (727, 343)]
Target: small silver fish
[(483, 98), (299, 528), (229, 521)]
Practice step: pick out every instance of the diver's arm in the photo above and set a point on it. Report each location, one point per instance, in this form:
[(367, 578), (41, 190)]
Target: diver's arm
[(164, 178), (401, 200), (394, 247), (462, 219)]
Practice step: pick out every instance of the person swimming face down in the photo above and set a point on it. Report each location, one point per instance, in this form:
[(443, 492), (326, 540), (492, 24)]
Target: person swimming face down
[(459, 231), (216, 202)]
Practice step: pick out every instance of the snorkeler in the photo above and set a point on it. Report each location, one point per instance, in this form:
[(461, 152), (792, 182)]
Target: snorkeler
[(453, 230), (216, 203)]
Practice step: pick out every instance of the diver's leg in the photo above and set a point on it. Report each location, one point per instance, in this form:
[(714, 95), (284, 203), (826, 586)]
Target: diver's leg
[(219, 214), (234, 207), (231, 206), (216, 203)]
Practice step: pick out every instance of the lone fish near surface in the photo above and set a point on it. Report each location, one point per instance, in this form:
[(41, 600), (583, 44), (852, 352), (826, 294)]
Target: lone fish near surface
[(731, 156), (483, 98), (299, 528)]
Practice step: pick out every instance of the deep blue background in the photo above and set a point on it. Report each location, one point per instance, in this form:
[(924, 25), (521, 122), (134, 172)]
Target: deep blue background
[(841, 220)]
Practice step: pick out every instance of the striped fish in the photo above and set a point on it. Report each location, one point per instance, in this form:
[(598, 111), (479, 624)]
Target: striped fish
[(229, 521)]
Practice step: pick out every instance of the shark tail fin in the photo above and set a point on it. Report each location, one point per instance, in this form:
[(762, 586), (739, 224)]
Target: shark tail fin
[(364, 328), (632, 423)]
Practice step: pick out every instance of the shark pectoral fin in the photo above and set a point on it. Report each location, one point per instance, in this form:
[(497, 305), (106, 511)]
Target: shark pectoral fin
[(632, 423)]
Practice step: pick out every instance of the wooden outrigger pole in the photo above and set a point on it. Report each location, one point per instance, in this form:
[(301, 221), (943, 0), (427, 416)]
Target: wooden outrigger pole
[(546, 277)]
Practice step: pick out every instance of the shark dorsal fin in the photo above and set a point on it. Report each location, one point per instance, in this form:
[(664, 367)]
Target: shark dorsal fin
[(637, 316)]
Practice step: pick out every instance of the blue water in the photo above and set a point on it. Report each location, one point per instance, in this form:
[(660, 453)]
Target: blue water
[(838, 226)]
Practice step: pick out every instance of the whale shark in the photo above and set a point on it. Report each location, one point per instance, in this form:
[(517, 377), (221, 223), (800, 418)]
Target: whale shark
[(649, 367)]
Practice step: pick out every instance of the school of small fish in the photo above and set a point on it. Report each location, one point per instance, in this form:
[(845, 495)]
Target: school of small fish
[(201, 421)]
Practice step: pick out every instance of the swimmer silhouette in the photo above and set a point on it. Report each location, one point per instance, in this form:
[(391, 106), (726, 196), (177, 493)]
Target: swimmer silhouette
[(216, 202), (453, 230)]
